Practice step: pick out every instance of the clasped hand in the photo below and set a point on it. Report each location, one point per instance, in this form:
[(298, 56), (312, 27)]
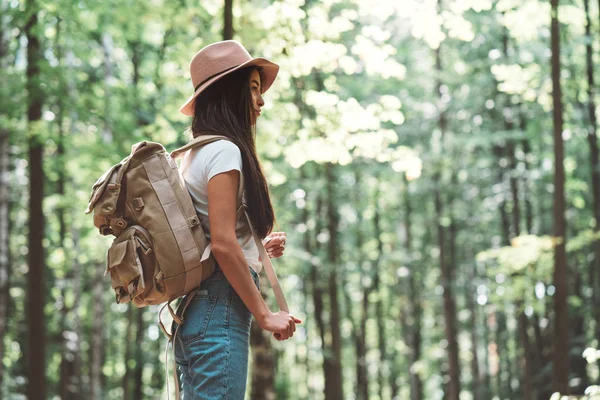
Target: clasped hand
[(275, 244)]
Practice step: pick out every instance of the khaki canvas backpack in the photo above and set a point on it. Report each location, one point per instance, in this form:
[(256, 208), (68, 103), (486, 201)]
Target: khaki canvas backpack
[(160, 251)]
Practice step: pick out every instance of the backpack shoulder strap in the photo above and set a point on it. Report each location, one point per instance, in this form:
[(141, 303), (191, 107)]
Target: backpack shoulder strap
[(199, 141), (268, 267), (203, 140)]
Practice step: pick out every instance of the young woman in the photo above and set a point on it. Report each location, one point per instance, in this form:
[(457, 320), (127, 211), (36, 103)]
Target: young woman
[(211, 347)]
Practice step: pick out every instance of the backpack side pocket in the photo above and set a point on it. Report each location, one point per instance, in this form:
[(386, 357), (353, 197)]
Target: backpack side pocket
[(125, 267)]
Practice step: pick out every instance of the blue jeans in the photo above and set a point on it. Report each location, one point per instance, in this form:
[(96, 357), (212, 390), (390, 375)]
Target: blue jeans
[(211, 347)]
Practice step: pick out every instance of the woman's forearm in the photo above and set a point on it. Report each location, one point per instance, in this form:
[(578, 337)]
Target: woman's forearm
[(232, 261)]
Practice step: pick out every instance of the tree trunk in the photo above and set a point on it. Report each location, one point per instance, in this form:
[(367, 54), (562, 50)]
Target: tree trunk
[(76, 373), (128, 344), (594, 166), (359, 328), (403, 329), (317, 298), (504, 363), (362, 375), (475, 373), (487, 371), (540, 360), (97, 340), (4, 211), (262, 386), (514, 190), (107, 51), (578, 341), (526, 198), (510, 148), (504, 218), (4, 242), (416, 386), (333, 368), (140, 358), (447, 279), (36, 289), (381, 334), (263, 359), (69, 372), (228, 20), (560, 368), (526, 364)]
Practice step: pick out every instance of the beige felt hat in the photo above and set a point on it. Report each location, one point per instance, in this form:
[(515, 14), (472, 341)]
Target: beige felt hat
[(219, 59)]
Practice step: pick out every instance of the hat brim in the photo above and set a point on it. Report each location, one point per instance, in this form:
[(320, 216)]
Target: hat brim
[(269, 71)]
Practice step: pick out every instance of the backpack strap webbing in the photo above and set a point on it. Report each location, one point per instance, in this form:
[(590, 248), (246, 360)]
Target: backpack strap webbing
[(271, 275), (198, 141), (179, 225), (201, 141)]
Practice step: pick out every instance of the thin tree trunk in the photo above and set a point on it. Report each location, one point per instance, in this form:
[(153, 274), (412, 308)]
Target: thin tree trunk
[(76, 373), (475, 373), (416, 386), (526, 192), (539, 359), (128, 344), (578, 341), (514, 191), (136, 59), (4, 209), (317, 298), (140, 358), (69, 379), (362, 375), (263, 359), (560, 367), (594, 166), (396, 380), (376, 268), (504, 362), (4, 242), (504, 218), (262, 386), (107, 50), (228, 20), (447, 279), (527, 367), (509, 125), (487, 372), (359, 328), (333, 382), (36, 289), (97, 342)]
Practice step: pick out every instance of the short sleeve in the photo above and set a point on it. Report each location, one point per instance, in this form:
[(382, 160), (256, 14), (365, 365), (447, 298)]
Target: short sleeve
[(222, 156)]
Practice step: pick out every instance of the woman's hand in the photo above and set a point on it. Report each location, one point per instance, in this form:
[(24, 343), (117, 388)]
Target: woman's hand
[(275, 244), (282, 324)]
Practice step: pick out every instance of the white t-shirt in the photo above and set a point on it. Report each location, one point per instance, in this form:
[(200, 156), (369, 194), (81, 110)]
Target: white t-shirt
[(198, 166)]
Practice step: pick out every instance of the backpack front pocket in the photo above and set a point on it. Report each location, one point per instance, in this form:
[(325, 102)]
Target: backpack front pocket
[(125, 269)]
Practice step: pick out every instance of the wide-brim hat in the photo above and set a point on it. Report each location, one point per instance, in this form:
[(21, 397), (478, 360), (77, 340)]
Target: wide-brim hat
[(220, 59)]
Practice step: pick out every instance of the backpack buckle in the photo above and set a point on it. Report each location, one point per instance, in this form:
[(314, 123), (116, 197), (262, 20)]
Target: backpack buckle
[(138, 203), (147, 250), (193, 221)]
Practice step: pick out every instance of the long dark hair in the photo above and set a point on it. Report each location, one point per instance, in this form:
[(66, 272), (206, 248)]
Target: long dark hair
[(224, 109)]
